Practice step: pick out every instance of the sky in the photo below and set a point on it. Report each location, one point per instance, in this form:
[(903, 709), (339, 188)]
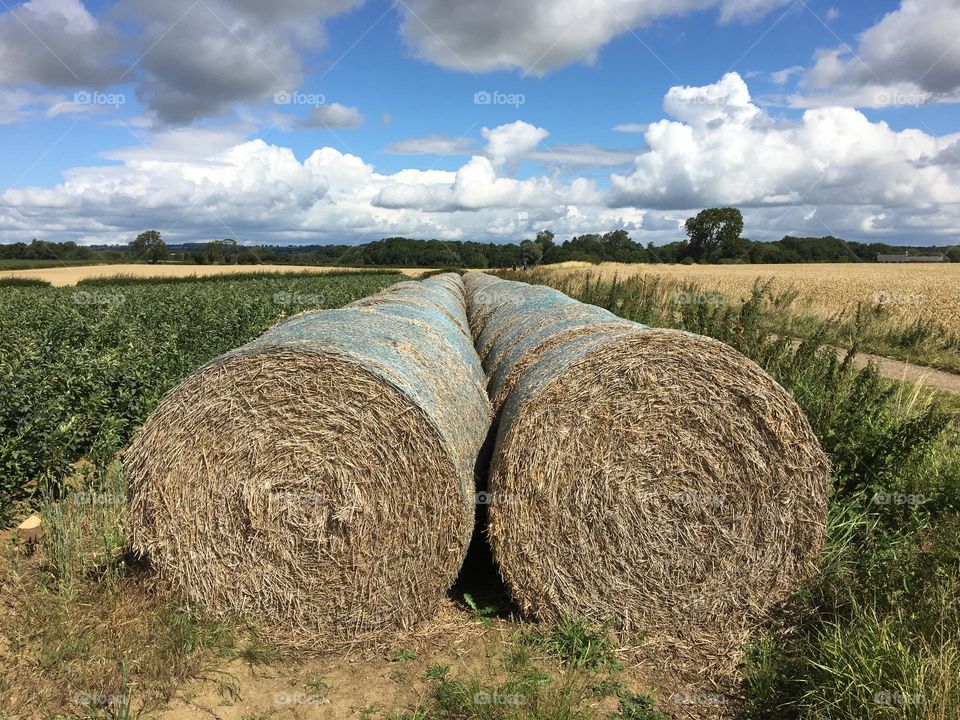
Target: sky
[(346, 121)]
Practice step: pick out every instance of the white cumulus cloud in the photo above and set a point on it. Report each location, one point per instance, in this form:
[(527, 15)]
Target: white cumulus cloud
[(832, 171), (910, 57), (723, 149)]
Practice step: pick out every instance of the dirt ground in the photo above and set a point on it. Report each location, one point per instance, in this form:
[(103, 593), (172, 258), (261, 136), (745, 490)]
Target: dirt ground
[(348, 685), (371, 685), (908, 372), (62, 276)]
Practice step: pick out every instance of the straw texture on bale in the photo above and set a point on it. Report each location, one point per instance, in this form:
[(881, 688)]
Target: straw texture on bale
[(320, 478), (654, 478)]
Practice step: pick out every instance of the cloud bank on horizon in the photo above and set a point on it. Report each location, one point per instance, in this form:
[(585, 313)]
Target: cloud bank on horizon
[(235, 118)]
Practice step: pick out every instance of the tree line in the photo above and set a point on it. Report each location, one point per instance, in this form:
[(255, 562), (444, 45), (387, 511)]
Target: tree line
[(713, 236)]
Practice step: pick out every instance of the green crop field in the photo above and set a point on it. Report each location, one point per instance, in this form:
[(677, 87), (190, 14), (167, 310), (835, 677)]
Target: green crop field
[(83, 366)]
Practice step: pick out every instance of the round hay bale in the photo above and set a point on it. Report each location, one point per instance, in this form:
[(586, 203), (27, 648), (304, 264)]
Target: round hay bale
[(440, 297), (486, 298), (530, 303), (529, 341), (319, 479), (654, 478)]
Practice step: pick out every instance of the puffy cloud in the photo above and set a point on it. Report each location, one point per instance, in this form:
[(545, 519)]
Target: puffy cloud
[(186, 59), (334, 115), (712, 105), (538, 36), (722, 149), (194, 183), (242, 183), (199, 59), (911, 56), (56, 43), (510, 144), (476, 186)]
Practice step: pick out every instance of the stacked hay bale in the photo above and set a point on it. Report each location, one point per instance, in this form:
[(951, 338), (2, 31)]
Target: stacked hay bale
[(320, 478), (650, 477)]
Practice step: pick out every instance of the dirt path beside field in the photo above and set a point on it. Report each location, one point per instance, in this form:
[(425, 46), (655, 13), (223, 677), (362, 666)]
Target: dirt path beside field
[(908, 372)]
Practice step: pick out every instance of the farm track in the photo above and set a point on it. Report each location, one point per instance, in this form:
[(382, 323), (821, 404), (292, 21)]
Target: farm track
[(900, 370), (908, 372)]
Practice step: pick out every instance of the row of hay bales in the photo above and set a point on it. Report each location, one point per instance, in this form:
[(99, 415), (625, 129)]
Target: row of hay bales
[(320, 479), (651, 477)]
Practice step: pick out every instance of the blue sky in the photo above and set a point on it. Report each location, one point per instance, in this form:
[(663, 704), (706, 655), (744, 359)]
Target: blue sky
[(815, 118)]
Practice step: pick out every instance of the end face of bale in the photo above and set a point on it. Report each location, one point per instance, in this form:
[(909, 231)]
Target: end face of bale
[(654, 478), (320, 479)]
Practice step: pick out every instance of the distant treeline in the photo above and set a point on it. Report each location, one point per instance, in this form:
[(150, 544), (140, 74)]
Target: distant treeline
[(614, 246)]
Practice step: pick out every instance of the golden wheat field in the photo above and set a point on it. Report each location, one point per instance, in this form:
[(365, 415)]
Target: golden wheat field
[(71, 275), (928, 291)]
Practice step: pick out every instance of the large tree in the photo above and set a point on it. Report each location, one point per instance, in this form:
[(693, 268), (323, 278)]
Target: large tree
[(222, 252), (149, 246), (712, 228), (545, 240), (530, 252)]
